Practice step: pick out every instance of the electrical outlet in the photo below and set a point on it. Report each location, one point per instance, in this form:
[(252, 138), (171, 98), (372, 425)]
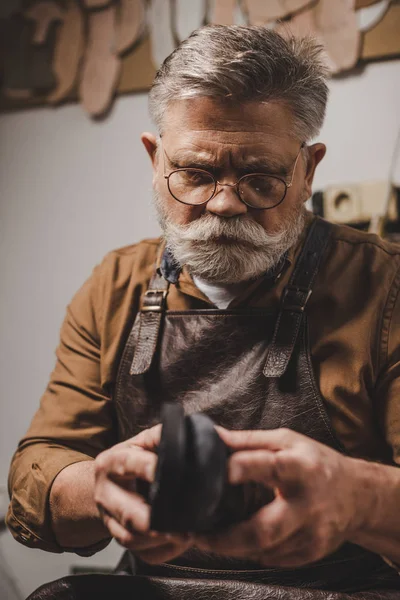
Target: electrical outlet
[(358, 203)]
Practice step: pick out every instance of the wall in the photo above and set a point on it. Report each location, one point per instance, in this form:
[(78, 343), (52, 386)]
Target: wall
[(72, 189)]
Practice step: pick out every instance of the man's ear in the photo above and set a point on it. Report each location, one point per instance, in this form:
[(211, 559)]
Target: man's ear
[(149, 141), (316, 153)]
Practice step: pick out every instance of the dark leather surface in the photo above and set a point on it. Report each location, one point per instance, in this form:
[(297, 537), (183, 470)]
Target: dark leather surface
[(125, 587)]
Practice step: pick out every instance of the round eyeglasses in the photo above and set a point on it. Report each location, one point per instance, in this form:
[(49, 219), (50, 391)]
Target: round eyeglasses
[(256, 190)]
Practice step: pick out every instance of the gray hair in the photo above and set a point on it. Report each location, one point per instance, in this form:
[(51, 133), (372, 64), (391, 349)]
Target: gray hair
[(246, 63)]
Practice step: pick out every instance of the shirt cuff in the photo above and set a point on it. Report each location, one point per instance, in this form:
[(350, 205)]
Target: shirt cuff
[(31, 479)]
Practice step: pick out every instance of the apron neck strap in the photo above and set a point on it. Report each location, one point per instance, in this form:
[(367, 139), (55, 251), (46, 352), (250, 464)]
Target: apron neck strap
[(154, 297), (153, 306), (295, 297)]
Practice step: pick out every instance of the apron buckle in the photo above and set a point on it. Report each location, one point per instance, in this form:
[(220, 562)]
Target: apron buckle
[(154, 300), (295, 298)]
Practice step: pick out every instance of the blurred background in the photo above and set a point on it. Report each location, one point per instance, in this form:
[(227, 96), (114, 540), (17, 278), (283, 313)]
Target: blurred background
[(75, 181)]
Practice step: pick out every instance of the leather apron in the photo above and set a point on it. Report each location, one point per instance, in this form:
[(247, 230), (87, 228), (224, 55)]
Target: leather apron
[(246, 369)]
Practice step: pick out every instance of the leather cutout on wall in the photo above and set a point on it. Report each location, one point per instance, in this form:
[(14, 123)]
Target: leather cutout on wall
[(222, 12), (43, 14), (138, 39), (261, 12), (131, 24), (337, 23), (101, 67), (324, 22), (67, 56)]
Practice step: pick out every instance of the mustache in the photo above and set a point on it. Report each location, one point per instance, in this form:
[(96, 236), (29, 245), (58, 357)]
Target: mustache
[(241, 229)]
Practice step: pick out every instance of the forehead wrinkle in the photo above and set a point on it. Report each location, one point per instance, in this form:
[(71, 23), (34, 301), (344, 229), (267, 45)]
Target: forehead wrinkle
[(256, 161)]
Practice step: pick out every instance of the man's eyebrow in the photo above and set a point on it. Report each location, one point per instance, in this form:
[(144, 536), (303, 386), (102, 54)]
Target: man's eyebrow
[(253, 164), (192, 159), (265, 164)]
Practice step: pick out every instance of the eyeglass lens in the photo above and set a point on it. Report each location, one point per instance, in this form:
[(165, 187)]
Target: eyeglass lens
[(193, 186)]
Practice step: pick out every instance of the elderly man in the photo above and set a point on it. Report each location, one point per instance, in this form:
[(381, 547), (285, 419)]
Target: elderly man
[(283, 328)]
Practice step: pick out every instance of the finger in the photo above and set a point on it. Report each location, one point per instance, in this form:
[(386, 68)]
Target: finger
[(148, 439), (271, 525), (253, 465), (274, 439), (128, 508), (136, 541), (284, 470), (122, 535), (127, 463)]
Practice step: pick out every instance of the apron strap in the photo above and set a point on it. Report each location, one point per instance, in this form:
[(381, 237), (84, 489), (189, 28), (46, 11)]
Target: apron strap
[(294, 299), (150, 322)]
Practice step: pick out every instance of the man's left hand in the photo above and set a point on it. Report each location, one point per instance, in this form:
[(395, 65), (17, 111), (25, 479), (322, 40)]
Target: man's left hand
[(317, 505)]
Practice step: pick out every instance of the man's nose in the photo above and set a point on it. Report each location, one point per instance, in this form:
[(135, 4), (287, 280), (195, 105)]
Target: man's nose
[(226, 202)]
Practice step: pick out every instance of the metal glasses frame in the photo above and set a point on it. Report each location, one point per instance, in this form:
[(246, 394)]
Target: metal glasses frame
[(234, 185)]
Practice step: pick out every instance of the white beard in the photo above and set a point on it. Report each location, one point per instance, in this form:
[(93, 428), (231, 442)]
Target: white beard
[(228, 250)]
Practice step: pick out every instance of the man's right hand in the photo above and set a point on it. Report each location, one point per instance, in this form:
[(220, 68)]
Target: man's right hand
[(124, 512)]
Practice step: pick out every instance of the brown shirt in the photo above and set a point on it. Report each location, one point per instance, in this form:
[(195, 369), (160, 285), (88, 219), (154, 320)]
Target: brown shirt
[(354, 320)]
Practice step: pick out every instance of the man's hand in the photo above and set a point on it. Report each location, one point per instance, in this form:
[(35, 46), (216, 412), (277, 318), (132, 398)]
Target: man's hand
[(318, 503), (124, 512)]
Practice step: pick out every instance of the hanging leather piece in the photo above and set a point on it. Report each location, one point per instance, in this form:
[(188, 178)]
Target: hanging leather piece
[(131, 24), (149, 327), (222, 12), (337, 24), (261, 12), (292, 6), (68, 52), (160, 24), (102, 66), (43, 14), (294, 299), (334, 25)]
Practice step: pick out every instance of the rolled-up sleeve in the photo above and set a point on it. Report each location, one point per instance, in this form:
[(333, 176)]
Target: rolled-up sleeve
[(74, 423)]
